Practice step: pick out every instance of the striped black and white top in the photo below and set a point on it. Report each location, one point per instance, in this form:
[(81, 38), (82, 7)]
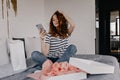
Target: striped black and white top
[(57, 46)]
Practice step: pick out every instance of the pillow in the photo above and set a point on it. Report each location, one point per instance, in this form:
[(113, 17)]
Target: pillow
[(32, 44), (4, 58)]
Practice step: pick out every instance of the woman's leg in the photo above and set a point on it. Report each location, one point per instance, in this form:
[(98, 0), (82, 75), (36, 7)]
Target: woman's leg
[(39, 58), (70, 51)]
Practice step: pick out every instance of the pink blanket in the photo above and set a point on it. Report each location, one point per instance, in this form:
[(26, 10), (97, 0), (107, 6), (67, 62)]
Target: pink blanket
[(53, 69)]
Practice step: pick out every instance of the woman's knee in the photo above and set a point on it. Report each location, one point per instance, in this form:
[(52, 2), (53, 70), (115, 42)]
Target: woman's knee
[(35, 54), (73, 48)]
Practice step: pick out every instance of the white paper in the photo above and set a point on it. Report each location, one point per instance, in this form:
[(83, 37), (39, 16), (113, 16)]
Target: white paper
[(91, 67)]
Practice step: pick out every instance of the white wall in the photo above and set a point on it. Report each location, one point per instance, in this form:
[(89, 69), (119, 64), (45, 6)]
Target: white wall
[(83, 14), (32, 12), (3, 24)]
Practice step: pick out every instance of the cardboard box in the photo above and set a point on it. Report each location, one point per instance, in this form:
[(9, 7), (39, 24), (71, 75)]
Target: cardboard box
[(91, 67), (71, 76)]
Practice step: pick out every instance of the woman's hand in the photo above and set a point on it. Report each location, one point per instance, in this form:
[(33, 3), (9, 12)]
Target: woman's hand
[(42, 34), (61, 11), (44, 46), (70, 21)]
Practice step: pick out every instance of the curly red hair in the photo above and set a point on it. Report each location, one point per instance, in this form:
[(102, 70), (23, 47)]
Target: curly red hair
[(62, 30)]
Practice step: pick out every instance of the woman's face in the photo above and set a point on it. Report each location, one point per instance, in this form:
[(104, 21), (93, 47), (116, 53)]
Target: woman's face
[(55, 21)]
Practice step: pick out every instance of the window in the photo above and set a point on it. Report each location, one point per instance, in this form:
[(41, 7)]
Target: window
[(114, 32)]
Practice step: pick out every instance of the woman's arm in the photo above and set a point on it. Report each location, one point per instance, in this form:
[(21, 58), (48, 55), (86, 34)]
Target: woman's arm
[(44, 46), (72, 24), (70, 21)]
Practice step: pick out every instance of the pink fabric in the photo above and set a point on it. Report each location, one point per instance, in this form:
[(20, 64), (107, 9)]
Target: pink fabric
[(49, 69)]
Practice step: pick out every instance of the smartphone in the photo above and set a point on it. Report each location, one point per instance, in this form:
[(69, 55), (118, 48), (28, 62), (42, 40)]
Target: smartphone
[(40, 27)]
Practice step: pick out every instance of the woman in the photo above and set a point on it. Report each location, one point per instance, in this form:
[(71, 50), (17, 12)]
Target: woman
[(54, 45)]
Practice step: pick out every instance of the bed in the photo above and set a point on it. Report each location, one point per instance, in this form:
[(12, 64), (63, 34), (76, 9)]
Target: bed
[(100, 58)]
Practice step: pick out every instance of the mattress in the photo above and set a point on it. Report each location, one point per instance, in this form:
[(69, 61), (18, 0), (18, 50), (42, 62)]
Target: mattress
[(100, 58)]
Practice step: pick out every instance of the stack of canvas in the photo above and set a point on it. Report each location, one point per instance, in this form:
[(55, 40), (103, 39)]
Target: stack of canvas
[(17, 55)]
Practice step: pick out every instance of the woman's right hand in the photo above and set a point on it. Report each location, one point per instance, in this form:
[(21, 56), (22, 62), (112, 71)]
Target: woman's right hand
[(44, 46), (42, 34)]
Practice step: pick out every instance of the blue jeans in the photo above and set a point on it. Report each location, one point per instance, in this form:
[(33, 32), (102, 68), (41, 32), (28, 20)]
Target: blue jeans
[(39, 58)]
